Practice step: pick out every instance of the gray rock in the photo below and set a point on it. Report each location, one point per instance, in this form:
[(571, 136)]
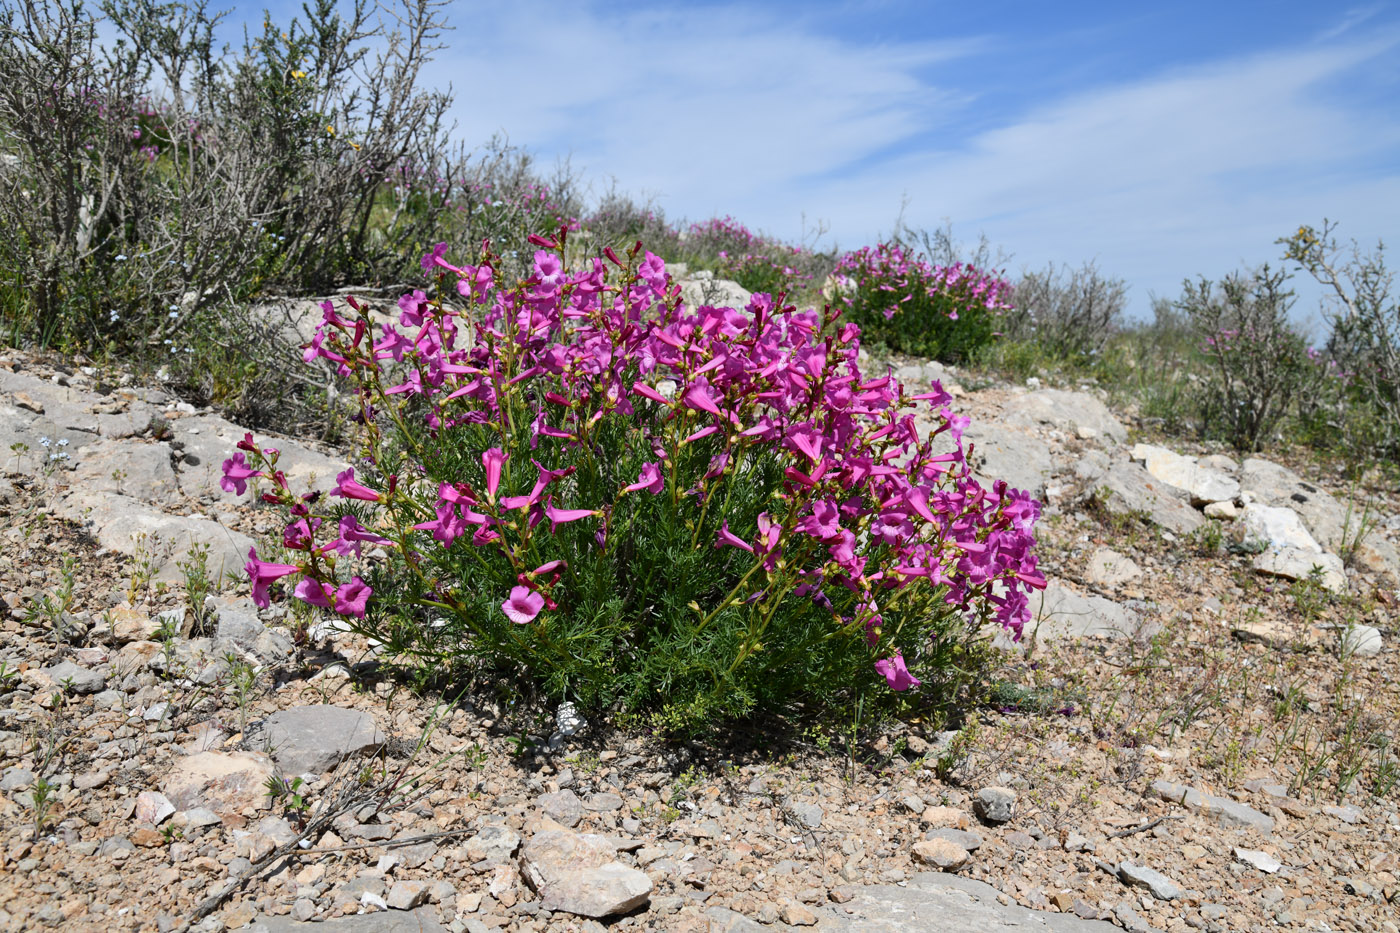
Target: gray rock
[(153, 807), (1017, 456), (236, 618), (1062, 613), (940, 853), (1361, 641), (127, 467), (17, 779), (942, 901), (314, 739), (422, 920), (1201, 484), (1068, 411), (808, 814), (493, 845), (1293, 563), (1140, 876), (702, 288), (1224, 812), (969, 841), (1262, 526), (77, 679), (995, 804), (1128, 489), (1326, 518), (562, 807), (578, 873), (1109, 568), (131, 527), (209, 441)]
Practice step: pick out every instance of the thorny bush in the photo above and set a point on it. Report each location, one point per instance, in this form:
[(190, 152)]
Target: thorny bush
[(684, 514)]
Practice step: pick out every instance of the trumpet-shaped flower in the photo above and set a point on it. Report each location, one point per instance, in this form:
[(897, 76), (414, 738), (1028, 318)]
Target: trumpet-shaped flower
[(522, 605)]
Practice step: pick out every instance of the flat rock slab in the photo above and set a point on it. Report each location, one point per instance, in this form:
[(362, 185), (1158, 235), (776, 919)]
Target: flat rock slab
[(1201, 483), (1130, 490), (1223, 811), (314, 739), (1109, 568), (227, 784), (1293, 563), (132, 527), (578, 873), (1015, 455), (209, 441), (132, 468), (1076, 412), (422, 920), (1063, 613), (938, 901)]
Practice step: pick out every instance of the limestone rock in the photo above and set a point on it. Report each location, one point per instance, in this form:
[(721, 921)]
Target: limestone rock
[(1361, 641), (1293, 563), (1273, 526), (314, 739), (224, 783), (1223, 811), (1069, 411), (702, 288), (1140, 876), (1128, 489), (1109, 568), (579, 874), (942, 854), (995, 804), (1015, 455), (1059, 612), (1200, 483)]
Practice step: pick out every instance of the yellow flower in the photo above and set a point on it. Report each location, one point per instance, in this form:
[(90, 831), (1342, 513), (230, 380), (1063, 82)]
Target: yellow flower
[(298, 75), (330, 129)]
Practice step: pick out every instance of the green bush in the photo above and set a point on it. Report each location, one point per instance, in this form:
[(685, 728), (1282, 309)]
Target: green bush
[(900, 300)]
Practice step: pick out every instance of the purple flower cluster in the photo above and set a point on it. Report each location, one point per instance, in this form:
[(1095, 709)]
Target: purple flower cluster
[(890, 267), (871, 509)]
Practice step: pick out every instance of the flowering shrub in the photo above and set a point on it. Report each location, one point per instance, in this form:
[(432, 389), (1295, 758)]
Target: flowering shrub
[(914, 307), (687, 512)]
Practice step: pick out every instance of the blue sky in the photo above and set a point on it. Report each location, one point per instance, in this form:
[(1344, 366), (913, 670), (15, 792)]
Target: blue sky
[(1161, 140)]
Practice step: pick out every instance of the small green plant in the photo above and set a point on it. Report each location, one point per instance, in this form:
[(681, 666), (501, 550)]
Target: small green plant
[(51, 611), (41, 797), (243, 680), (142, 569), (1209, 539), (198, 585), (8, 676), (289, 795), (1310, 597)]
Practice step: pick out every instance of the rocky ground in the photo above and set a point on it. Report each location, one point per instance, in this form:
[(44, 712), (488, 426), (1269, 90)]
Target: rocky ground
[(1197, 735)]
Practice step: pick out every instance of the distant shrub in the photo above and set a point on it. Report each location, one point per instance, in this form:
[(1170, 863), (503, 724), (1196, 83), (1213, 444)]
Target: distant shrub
[(689, 515), (902, 301), (1069, 313), (1259, 365), (1364, 343)]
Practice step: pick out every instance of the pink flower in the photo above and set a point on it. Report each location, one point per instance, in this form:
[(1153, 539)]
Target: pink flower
[(700, 397), (348, 488), (351, 598), (312, 592), (493, 459), (896, 674), (236, 475), (261, 575), (728, 537), (560, 516), (649, 479), (523, 605), (353, 535)]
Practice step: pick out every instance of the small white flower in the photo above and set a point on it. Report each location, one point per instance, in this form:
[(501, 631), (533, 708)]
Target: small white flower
[(44, 442), (121, 257), (174, 314), (63, 442)]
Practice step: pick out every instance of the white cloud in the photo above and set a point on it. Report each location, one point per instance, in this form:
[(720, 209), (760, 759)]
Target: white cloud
[(722, 110)]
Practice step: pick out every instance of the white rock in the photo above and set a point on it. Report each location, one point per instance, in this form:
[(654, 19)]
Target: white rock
[(1361, 641), (1225, 510), (1293, 563), (1109, 568), (1274, 526), (1201, 483), (1260, 860)]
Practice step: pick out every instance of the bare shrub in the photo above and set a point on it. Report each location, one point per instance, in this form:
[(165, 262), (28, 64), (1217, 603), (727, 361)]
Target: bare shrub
[(1259, 363), (1070, 313)]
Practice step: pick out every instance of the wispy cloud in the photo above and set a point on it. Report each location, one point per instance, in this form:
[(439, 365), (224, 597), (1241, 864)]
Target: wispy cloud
[(1195, 167)]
